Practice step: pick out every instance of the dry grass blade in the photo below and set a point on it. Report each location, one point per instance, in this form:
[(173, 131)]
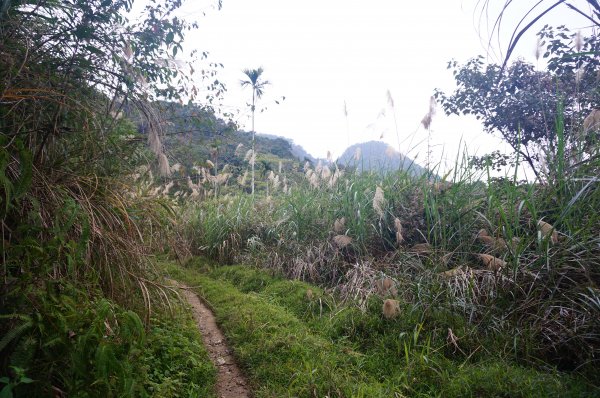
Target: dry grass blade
[(421, 248), (457, 272)]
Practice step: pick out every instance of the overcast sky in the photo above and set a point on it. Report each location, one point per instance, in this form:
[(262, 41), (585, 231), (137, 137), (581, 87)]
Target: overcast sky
[(320, 54)]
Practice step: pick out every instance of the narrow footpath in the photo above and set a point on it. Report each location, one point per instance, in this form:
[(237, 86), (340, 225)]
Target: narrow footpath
[(231, 382)]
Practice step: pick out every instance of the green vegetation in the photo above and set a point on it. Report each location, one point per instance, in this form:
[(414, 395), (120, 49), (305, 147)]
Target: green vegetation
[(432, 239), (82, 311), (413, 282), (296, 340)]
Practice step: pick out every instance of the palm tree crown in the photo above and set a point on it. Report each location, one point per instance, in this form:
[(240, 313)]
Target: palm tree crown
[(254, 81)]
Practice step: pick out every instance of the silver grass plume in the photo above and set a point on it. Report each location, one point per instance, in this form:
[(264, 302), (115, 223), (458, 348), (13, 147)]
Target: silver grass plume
[(398, 227), (578, 41), (242, 179), (163, 165), (538, 49), (379, 201), (357, 154), (238, 149), (428, 118), (339, 226)]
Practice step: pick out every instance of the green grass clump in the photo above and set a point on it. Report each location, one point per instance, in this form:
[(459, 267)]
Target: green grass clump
[(497, 378), (279, 352), (88, 346), (276, 333), (175, 361)]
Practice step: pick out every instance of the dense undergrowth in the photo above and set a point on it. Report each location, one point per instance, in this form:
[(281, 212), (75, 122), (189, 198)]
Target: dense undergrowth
[(295, 339), (82, 311), (515, 265)]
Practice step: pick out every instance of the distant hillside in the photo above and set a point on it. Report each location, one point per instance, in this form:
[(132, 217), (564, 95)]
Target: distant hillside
[(194, 134), (298, 151), (377, 156)]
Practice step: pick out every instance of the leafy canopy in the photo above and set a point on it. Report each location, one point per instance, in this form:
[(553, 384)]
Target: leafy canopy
[(522, 102)]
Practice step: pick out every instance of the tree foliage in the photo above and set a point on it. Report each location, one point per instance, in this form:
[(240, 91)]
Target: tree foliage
[(521, 102)]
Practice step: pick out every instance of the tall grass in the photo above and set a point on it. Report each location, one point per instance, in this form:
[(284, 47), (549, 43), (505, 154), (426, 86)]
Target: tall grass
[(517, 259)]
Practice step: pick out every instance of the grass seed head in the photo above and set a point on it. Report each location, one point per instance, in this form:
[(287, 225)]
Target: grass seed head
[(238, 149), (341, 241), (309, 294), (398, 227), (386, 286), (578, 41), (592, 121), (492, 263), (391, 308), (339, 226), (379, 201), (357, 154), (538, 49), (163, 165), (546, 230)]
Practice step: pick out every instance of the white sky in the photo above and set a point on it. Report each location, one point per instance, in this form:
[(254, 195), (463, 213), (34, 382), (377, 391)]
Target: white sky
[(322, 53)]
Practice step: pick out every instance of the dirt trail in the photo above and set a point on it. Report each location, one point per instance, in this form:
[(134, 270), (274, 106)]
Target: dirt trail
[(231, 382)]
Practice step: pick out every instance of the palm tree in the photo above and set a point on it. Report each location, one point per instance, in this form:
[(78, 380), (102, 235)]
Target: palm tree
[(257, 85)]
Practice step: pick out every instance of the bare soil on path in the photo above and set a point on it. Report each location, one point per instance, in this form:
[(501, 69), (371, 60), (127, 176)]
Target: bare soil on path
[(231, 382)]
